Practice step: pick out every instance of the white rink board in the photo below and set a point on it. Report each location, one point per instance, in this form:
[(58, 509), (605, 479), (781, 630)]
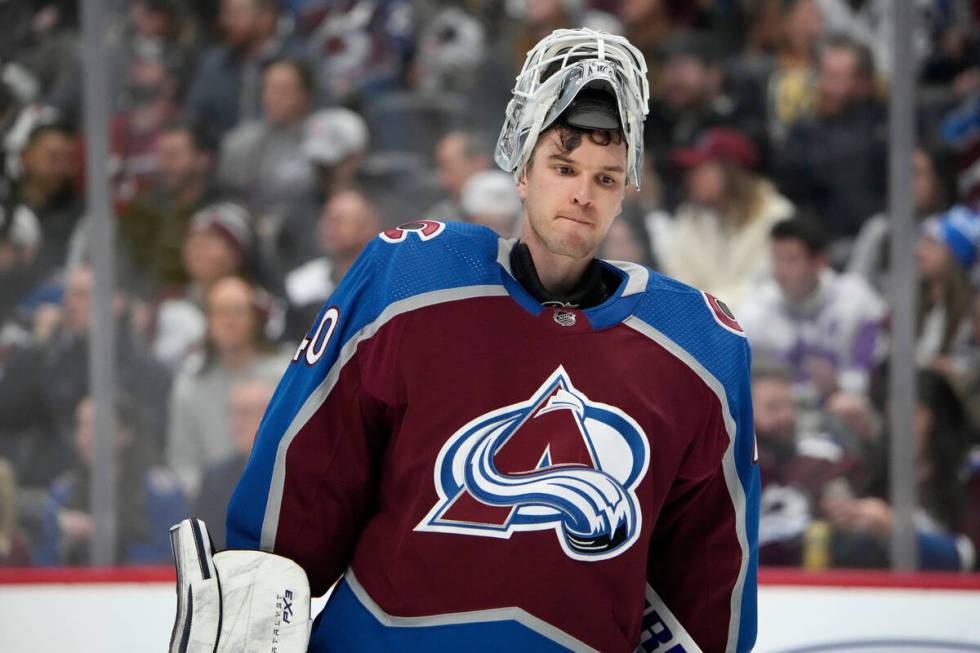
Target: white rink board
[(122, 618)]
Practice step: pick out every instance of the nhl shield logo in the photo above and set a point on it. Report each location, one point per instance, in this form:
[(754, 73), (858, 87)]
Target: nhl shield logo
[(558, 461)]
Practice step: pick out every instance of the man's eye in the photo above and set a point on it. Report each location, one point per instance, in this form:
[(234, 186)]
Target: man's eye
[(563, 170)]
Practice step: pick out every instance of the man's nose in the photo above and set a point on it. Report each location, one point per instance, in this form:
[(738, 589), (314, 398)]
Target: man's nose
[(583, 192)]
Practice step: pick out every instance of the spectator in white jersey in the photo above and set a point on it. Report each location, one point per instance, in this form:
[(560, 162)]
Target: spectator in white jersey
[(826, 326)]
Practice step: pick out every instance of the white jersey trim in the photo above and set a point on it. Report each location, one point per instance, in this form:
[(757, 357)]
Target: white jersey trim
[(679, 636), (519, 615), (270, 521), (735, 489)]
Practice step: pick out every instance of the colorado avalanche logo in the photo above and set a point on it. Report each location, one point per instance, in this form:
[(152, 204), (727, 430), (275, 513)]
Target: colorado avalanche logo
[(557, 461)]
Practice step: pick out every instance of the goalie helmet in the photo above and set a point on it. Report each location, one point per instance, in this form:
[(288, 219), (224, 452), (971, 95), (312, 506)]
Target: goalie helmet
[(590, 68)]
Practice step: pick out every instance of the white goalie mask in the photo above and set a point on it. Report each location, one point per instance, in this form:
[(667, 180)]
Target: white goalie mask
[(555, 72)]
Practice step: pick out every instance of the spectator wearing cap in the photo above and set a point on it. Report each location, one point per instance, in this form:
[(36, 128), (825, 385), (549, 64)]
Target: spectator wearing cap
[(459, 155), (946, 255), (262, 161), (719, 238), (227, 86), (349, 221), (153, 227), (335, 142), (490, 199), (834, 165), (824, 326), (235, 349), (688, 99), (217, 245)]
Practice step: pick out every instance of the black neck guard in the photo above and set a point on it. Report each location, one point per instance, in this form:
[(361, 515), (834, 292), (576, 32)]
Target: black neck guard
[(592, 289)]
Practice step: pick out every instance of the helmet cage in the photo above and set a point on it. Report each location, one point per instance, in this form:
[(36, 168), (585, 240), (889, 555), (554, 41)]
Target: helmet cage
[(583, 59)]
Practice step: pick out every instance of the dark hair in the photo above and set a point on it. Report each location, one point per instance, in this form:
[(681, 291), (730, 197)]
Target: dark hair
[(803, 229), (864, 62), (946, 445), (202, 138), (570, 136), (302, 69)]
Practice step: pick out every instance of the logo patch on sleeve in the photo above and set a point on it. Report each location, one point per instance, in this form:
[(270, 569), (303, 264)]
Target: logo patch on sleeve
[(424, 229), (722, 314)]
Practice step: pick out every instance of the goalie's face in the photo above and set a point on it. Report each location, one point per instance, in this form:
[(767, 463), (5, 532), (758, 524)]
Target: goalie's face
[(571, 196)]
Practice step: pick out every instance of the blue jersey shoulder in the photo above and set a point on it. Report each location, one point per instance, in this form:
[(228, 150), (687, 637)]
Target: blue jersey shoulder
[(428, 255), (698, 322)]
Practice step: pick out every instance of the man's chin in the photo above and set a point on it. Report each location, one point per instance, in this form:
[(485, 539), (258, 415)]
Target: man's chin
[(571, 247)]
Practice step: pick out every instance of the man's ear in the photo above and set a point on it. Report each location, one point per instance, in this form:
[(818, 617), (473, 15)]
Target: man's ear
[(522, 184)]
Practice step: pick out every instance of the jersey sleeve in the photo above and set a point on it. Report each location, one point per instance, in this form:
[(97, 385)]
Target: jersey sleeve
[(308, 483), (702, 563)]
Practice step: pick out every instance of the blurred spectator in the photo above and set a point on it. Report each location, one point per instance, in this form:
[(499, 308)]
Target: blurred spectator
[(43, 380), (335, 142), (47, 188), (13, 547), (835, 164), (47, 47), (870, 256), (451, 47), (348, 222), (20, 240), (871, 23), (459, 155), (152, 227), (827, 327), (797, 467), (361, 48), (235, 350), (490, 198), (627, 240), (262, 161), (149, 499), (246, 406), (779, 81), (963, 369), (946, 254), (719, 240), (227, 86), (863, 524), (216, 245), (688, 99), (150, 101)]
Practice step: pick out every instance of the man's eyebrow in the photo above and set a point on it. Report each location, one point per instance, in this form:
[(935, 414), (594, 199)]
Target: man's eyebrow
[(565, 159)]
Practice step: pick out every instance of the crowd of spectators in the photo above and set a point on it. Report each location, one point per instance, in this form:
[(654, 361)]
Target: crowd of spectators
[(257, 145)]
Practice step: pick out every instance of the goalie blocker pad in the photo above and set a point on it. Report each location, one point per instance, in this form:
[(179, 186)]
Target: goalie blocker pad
[(236, 601)]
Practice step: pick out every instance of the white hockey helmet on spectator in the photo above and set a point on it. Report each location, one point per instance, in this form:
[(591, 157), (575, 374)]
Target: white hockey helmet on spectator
[(556, 71)]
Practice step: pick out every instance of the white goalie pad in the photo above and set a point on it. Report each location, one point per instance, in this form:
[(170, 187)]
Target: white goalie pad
[(236, 601)]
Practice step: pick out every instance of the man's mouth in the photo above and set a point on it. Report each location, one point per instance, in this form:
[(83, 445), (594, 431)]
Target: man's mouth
[(581, 221)]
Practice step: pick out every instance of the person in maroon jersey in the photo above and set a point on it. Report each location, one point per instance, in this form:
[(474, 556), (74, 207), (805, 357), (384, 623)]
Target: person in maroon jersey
[(488, 444)]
